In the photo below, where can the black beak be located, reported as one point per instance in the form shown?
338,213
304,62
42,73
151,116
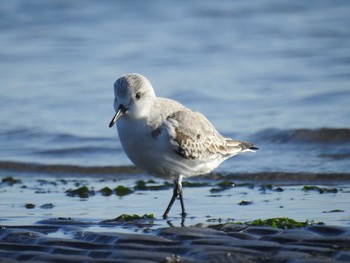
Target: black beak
120,112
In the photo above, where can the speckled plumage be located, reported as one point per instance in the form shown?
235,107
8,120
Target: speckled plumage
163,137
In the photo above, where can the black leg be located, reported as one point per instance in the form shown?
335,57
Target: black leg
173,198
177,192
183,212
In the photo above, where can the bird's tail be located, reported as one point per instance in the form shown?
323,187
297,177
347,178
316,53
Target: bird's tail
243,146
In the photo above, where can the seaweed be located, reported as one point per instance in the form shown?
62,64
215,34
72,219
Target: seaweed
10,181
142,222
334,211
307,188
106,191
245,202
150,181
82,192
140,185
279,222
30,206
133,217
122,190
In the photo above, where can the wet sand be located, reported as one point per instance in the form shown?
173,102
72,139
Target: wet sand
201,243
45,217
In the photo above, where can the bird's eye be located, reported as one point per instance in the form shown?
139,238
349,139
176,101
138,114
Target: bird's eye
138,95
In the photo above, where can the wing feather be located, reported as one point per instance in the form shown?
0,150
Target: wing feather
194,137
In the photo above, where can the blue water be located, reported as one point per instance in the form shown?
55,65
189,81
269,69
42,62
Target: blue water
253,68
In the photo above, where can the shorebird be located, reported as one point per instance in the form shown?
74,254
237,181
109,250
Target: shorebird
166,139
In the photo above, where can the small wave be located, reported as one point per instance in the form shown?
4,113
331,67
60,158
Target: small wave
327,97
88,171
20,133
32,134
66,169
77,151
323,135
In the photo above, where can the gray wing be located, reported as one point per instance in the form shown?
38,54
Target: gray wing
192,136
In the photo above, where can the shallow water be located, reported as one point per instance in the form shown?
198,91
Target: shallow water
254,68
204,204
273,73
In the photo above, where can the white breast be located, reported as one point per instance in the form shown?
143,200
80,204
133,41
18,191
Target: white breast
155,155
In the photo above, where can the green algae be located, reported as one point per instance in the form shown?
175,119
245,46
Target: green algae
151,181
321,190
133,217
279,222
106,191
82,192
122,190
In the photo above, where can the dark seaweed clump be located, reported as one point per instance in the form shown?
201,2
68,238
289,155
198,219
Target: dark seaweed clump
245,202
279,222
122,190
133,217
82,192
319,189
106,191
10,181
30,206
335,211
130,218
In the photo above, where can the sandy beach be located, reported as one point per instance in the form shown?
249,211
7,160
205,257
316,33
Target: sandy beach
273,73
75,218
200,243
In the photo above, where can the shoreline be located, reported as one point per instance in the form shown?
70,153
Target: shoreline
44,218
115,171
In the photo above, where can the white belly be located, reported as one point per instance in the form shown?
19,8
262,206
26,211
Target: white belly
155,154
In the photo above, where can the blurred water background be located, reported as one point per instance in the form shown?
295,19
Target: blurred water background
273,72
